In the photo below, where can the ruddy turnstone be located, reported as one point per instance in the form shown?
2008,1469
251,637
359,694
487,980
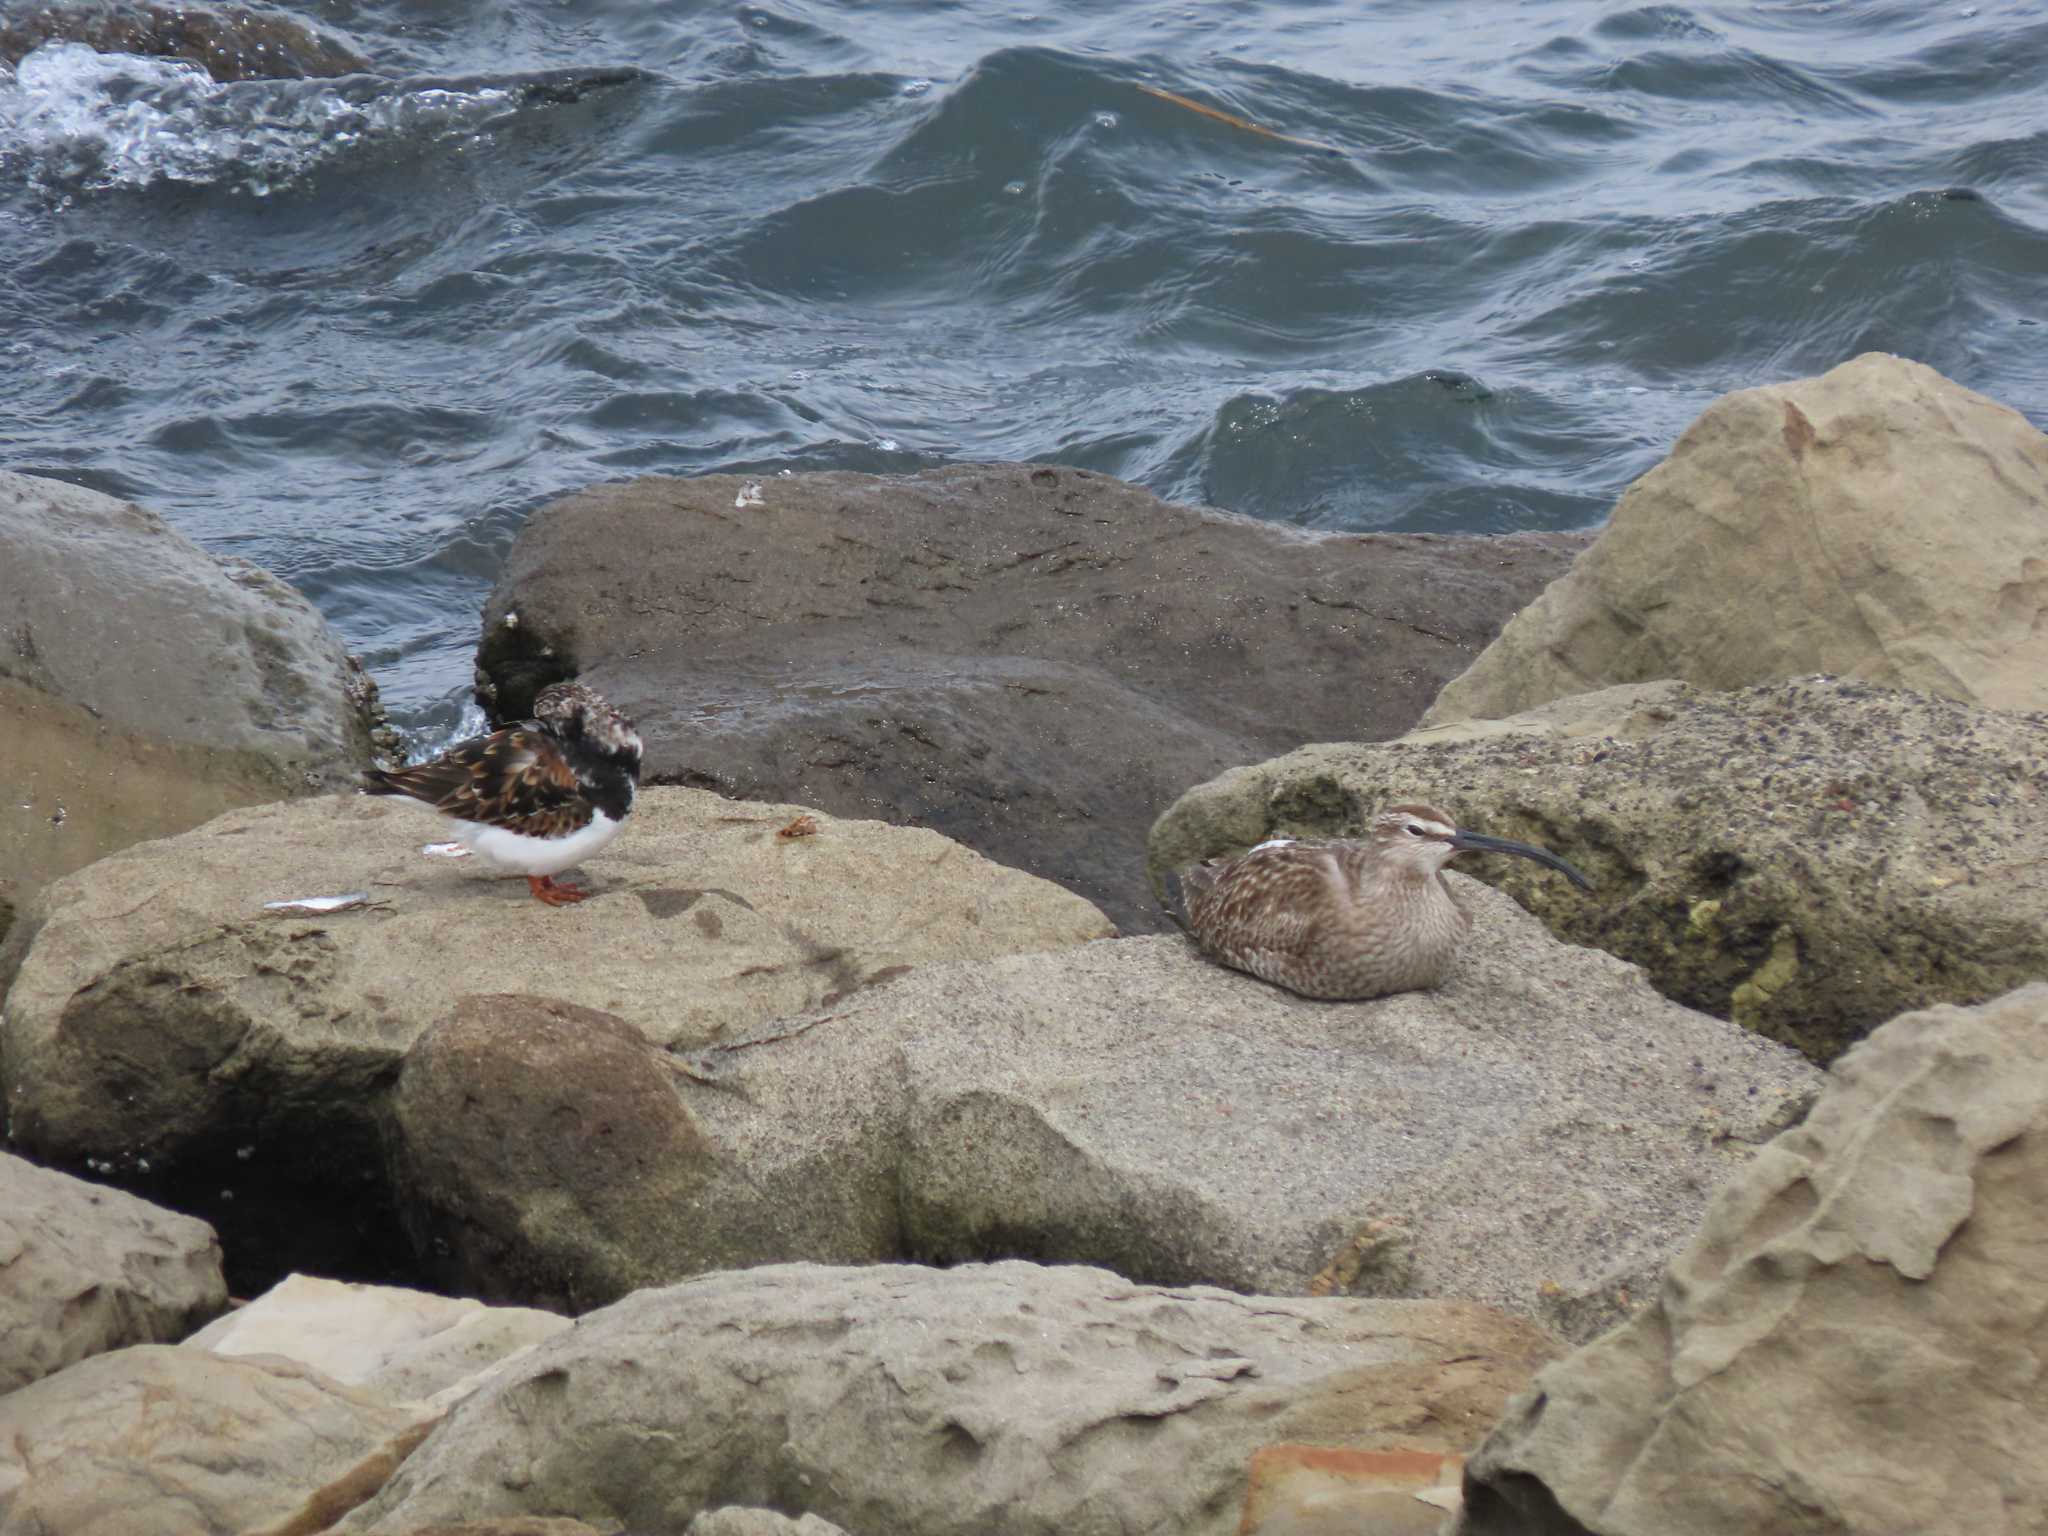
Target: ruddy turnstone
1351,919
534,799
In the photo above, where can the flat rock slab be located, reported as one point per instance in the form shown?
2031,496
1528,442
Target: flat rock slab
85,1268
979,1401
179,1442
1541,1133
146,686
160,1016
411,1346
1880,522
1852,1342
1031,659
1805,857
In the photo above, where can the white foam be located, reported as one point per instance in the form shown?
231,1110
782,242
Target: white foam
75,119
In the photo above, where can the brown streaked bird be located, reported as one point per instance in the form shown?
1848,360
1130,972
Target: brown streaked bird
1345,920
537,798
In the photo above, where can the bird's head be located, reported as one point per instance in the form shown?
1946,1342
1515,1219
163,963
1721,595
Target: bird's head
579,713
1423,838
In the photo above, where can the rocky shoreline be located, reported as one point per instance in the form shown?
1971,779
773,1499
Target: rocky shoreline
904,1177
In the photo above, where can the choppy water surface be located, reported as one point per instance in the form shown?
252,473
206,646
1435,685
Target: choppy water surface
1497,259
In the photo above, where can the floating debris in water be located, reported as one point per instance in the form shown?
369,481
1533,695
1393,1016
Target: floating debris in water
319,906
444,850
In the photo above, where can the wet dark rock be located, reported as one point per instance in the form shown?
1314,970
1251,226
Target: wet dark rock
229,42
1032,660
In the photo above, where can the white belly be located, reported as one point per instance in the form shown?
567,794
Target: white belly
523,855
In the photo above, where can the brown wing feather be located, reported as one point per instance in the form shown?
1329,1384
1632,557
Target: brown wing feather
517,779
1261,906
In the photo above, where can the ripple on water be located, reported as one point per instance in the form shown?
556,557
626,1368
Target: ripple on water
1348,267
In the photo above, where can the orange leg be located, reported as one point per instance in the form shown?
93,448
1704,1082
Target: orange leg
547,889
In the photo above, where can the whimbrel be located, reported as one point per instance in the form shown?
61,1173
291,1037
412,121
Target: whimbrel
1350,919
538,798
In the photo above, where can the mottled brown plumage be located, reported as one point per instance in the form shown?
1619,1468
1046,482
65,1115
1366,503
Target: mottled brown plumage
1352,919
534,798
517,779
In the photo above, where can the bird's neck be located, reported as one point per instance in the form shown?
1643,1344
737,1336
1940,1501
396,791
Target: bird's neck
1379,885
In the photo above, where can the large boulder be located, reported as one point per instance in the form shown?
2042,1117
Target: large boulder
236,1060
1851,1344
979,1401
230,42
180,1442
1878,522
1805,858
1033,660
146,686
1540,1134
84,1268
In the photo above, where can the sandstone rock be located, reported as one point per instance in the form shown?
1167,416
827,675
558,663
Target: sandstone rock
982,1401
1804,858
410,1346
84,1269
160,1016
229,42
1309,1490
145,686
1851,1344
542,1154
177,1442
1033,660
733,1521
1540,1134
1879,522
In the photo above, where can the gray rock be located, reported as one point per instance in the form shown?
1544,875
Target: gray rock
161,1017
230,42
84,1268
1805,858
145,686
179,1442
1033,660
1878,522
1540,1134
980,1401
1851,1344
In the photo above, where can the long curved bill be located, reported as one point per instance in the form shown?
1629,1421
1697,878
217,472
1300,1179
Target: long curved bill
1479,842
